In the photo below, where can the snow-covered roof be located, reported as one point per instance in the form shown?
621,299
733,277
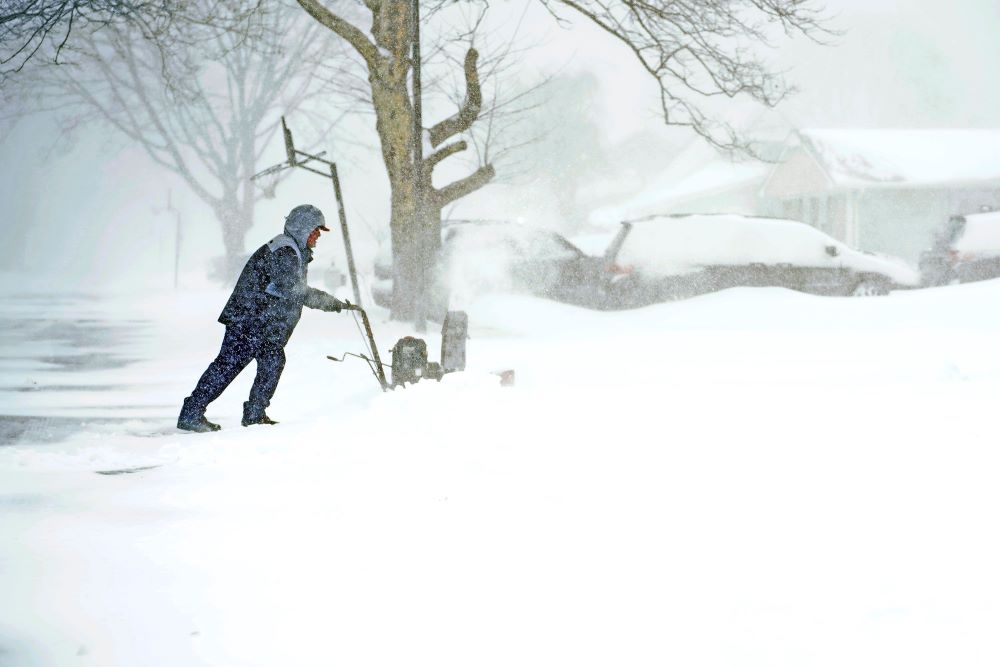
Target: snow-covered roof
892,158
700,177
673,190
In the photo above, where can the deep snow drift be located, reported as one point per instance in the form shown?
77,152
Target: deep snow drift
754,477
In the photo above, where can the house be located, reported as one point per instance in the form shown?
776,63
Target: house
699,179
883,190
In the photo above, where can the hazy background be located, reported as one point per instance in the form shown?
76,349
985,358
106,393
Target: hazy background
87,212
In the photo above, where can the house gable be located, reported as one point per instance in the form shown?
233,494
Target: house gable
799,174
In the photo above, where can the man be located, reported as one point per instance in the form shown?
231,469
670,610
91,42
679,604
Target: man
260,316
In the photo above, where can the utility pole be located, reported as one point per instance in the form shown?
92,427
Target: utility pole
177,238
418,144
419,221
177,235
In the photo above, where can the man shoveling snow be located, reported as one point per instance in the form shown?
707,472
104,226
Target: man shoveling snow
260,316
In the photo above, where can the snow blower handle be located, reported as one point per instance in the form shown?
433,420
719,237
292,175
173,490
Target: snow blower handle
372,346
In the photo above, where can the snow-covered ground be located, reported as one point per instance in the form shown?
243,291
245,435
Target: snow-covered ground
753,477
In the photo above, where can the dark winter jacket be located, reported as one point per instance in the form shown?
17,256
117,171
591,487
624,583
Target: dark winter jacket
272,289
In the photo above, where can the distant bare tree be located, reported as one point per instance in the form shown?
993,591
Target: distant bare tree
205,110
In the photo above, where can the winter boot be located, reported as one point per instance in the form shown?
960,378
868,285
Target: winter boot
253,415
192,418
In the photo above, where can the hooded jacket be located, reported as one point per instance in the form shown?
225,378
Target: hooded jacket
272,288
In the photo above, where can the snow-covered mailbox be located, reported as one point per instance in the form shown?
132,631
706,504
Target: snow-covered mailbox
884,190
666,257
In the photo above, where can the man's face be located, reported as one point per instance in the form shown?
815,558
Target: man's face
313,237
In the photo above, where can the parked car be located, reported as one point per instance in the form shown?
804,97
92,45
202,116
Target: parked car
667,257
483,256
965,249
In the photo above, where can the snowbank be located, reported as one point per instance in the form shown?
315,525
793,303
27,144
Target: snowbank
753,477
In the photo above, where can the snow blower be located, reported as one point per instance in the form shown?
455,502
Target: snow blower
409,355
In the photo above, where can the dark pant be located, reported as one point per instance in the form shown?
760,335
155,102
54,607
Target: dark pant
241,344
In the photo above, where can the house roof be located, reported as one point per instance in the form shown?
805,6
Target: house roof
668,193
896,158
697,171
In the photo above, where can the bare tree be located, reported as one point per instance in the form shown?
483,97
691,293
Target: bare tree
546,137
507,101
701,50
28,26
42,29
415,228
204,110
695,51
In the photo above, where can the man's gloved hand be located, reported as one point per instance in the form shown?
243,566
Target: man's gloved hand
333,305
330,303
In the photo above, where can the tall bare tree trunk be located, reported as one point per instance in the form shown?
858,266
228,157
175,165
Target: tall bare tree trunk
235,225
394,123
415,234
395,131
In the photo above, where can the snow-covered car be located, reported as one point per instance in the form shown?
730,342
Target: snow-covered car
966,249
667,257
485,256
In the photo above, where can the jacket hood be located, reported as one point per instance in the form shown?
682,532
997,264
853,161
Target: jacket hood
302,221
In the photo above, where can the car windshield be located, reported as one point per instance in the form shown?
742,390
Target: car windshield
977,233
552,246
954,228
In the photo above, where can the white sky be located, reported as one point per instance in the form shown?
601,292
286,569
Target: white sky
87,208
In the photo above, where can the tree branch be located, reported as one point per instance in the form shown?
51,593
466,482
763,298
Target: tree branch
431,160
467,115
449,193
696,51
354,37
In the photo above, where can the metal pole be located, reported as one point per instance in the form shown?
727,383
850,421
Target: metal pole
347,235
418,144
379,371
177,246
418,163
294,161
